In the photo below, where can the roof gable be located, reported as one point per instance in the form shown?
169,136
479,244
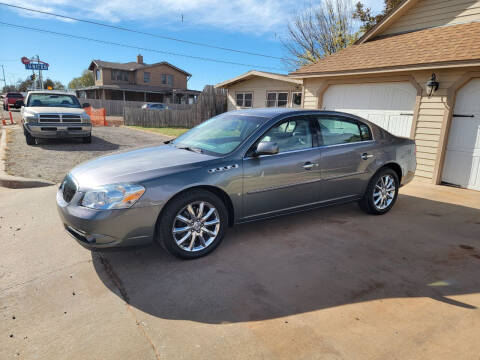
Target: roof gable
255,73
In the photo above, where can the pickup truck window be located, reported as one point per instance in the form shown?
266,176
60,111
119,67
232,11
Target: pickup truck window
53,100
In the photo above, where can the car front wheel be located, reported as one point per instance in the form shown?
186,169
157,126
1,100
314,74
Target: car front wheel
192,224
87,139
382,192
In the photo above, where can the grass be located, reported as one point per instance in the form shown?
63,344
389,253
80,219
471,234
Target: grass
167,131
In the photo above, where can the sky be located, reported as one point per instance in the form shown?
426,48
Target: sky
249,25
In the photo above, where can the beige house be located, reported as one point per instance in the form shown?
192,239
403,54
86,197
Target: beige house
383,78
259,89
138,81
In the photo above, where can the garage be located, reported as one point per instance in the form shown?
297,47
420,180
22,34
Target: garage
462,157
389,105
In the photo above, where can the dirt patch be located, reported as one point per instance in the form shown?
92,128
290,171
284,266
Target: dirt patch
52,159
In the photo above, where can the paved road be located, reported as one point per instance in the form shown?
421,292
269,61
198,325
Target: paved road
329,284
52,159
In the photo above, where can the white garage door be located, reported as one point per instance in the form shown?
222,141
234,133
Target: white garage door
389,105
462,158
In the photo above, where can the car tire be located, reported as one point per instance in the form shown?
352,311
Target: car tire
381,193
191,243
87,139
30,139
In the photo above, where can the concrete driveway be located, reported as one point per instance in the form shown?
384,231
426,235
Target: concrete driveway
329,284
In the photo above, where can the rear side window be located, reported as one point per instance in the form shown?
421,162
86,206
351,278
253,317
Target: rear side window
365,132
338,131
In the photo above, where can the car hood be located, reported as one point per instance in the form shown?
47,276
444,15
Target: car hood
136,165
53,110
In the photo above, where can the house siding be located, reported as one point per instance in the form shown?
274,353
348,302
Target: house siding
179,78
433,13
429,126
259,87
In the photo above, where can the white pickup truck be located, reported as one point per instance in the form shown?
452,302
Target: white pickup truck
54,114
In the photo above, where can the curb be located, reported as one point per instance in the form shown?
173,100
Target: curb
15,182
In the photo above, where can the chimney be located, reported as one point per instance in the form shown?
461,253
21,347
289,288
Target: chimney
139,59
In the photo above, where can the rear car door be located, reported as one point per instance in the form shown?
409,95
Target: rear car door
347,151
285,181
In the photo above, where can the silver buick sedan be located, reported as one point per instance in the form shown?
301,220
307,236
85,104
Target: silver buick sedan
237,167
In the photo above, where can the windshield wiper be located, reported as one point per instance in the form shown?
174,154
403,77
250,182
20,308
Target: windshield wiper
189,148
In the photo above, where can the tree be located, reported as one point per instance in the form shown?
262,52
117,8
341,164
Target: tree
24,85
9,88
320,31
365,14
82,81
55,85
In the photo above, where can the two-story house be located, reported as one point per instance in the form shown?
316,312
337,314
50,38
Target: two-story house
137,81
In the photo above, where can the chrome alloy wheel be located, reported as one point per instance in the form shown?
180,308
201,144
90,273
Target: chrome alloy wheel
196,226
384,192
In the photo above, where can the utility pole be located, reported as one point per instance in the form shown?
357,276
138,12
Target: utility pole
4,80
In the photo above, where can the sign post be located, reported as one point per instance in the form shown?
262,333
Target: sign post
35,64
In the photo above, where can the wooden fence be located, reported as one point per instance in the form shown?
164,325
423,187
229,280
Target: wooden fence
210,102
115,107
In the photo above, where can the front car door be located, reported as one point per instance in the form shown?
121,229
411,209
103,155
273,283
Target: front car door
285,181
347,151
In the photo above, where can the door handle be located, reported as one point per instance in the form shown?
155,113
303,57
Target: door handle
309,165
366,156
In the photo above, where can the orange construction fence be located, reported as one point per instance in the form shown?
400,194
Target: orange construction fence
97,116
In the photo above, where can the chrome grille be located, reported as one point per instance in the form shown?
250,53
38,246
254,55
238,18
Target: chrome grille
69,188
49,118
57,118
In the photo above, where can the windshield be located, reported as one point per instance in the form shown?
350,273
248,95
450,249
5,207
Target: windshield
221,134
53,100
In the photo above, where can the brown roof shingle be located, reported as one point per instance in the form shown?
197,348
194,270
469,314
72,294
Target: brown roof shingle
456,43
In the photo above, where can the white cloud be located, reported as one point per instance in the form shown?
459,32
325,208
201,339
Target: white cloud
250,16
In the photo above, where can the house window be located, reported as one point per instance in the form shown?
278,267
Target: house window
146,77
167,79
119,75
97,74
244,99
277,99
296,99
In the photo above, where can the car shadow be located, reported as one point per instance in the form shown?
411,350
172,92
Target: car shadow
76,144
306,262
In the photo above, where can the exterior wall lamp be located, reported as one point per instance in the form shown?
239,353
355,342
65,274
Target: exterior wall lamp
432,85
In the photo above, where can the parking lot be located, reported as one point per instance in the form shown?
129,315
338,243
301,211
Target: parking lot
52,159
328,284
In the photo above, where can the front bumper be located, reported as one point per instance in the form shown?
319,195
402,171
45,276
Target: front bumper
107,228
59,130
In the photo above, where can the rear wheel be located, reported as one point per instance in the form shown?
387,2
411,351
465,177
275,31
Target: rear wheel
382,192
192,224
29,139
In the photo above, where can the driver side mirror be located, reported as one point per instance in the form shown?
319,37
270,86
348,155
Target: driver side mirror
266,148
85,105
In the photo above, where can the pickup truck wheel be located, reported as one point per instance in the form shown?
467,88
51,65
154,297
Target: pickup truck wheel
87,139
30,139
382,192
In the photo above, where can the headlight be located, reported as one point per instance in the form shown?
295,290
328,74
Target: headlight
85,117
118,196
30,118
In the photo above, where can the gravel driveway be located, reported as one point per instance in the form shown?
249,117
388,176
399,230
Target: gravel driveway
52,159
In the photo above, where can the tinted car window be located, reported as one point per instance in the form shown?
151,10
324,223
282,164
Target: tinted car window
338,131
293,134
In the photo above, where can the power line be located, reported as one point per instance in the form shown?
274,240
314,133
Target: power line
135,47
143,32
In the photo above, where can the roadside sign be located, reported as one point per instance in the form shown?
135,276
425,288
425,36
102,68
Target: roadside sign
33,66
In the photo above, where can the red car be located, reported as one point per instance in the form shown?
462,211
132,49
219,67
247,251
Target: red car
10,99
